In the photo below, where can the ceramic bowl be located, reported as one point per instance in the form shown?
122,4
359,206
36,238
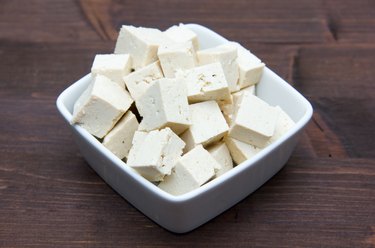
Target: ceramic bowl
185,212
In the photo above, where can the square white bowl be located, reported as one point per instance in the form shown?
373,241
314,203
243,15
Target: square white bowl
185,212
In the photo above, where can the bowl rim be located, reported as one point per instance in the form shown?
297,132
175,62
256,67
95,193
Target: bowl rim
299,124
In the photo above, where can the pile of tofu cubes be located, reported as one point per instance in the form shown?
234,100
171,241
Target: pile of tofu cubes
178,115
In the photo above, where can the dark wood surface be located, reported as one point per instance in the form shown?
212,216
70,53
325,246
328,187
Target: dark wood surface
325,195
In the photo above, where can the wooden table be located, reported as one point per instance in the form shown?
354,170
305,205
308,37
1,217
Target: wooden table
325,195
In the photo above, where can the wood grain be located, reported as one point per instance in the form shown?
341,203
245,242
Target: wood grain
44,21
324,196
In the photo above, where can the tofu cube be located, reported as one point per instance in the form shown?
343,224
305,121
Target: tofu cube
207,125
138,81
141,43
100,106
239,150
226,55
254,121
181,33
221,154
176,56
206,82
164,104
154,154
113,66
284,124
250,67
190,172
119,139
228,107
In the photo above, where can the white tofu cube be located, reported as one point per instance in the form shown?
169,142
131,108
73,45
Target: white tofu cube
284,124
225,54
154,154
228,107
181,33
250,67
141,43
119,139
254,121
100,106
239,150
113,66
221,154
207,125
164,104
190,172
205,82
176,56
138,81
